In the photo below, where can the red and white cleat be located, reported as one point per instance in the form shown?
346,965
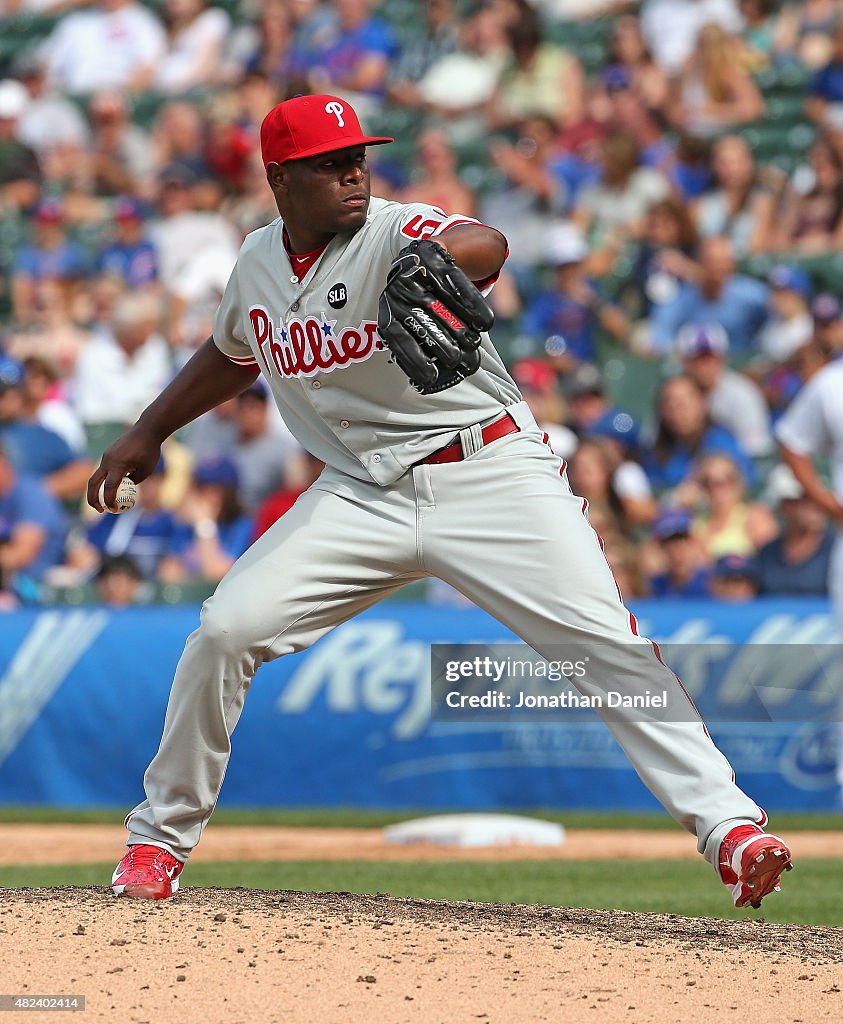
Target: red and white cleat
147,873
752,863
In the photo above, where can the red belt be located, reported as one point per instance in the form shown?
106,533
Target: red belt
454,453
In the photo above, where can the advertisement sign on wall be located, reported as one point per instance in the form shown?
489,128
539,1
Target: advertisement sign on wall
83,693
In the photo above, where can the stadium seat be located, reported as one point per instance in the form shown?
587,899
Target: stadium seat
785,108
192,592
145,106
411,592
826,269
588,40
631,381
13,234
404,16
781,78
99,436
768,139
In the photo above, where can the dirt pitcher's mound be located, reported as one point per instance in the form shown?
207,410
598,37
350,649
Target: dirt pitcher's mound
294,958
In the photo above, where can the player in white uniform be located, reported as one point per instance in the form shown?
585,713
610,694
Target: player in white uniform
812,427
459,484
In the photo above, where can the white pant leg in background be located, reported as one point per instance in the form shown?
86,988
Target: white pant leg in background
504,528
835,592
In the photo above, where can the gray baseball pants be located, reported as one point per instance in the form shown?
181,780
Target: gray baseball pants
502,527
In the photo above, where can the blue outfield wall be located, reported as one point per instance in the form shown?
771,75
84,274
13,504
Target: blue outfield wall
83,693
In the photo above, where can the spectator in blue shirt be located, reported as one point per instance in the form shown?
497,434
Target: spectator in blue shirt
32,527
131,257
713,294
36,450
685,434
685,573
668,248
353,56
827,312
692,175
564,319
631,113
588,402
575,169
733,579
826,88
797,561
421,51
50,256
217,530
311,22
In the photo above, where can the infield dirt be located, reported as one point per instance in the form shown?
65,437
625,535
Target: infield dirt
64,844
293,958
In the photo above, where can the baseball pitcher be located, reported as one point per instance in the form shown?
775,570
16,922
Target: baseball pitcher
367,320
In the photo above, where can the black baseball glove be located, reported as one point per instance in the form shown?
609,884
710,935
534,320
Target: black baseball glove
430,317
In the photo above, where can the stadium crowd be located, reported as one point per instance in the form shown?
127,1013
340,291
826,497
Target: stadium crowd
669,175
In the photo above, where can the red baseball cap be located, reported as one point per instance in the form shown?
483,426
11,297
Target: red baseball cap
49,211
128,209
535,375
310,125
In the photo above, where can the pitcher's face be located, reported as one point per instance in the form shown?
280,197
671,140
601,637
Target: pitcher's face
329,193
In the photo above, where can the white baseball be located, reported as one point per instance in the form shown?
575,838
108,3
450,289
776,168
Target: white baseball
127,494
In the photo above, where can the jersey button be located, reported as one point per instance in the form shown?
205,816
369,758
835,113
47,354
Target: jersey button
294,279
294,306
376,457
344,424
317,384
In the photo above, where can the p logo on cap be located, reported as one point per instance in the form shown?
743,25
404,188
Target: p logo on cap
309,125
336,108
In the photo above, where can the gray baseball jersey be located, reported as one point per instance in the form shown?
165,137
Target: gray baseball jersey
367,421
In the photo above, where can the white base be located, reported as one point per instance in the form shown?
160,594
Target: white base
477,830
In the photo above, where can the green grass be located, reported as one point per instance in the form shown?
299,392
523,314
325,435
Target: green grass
350,818
813,893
